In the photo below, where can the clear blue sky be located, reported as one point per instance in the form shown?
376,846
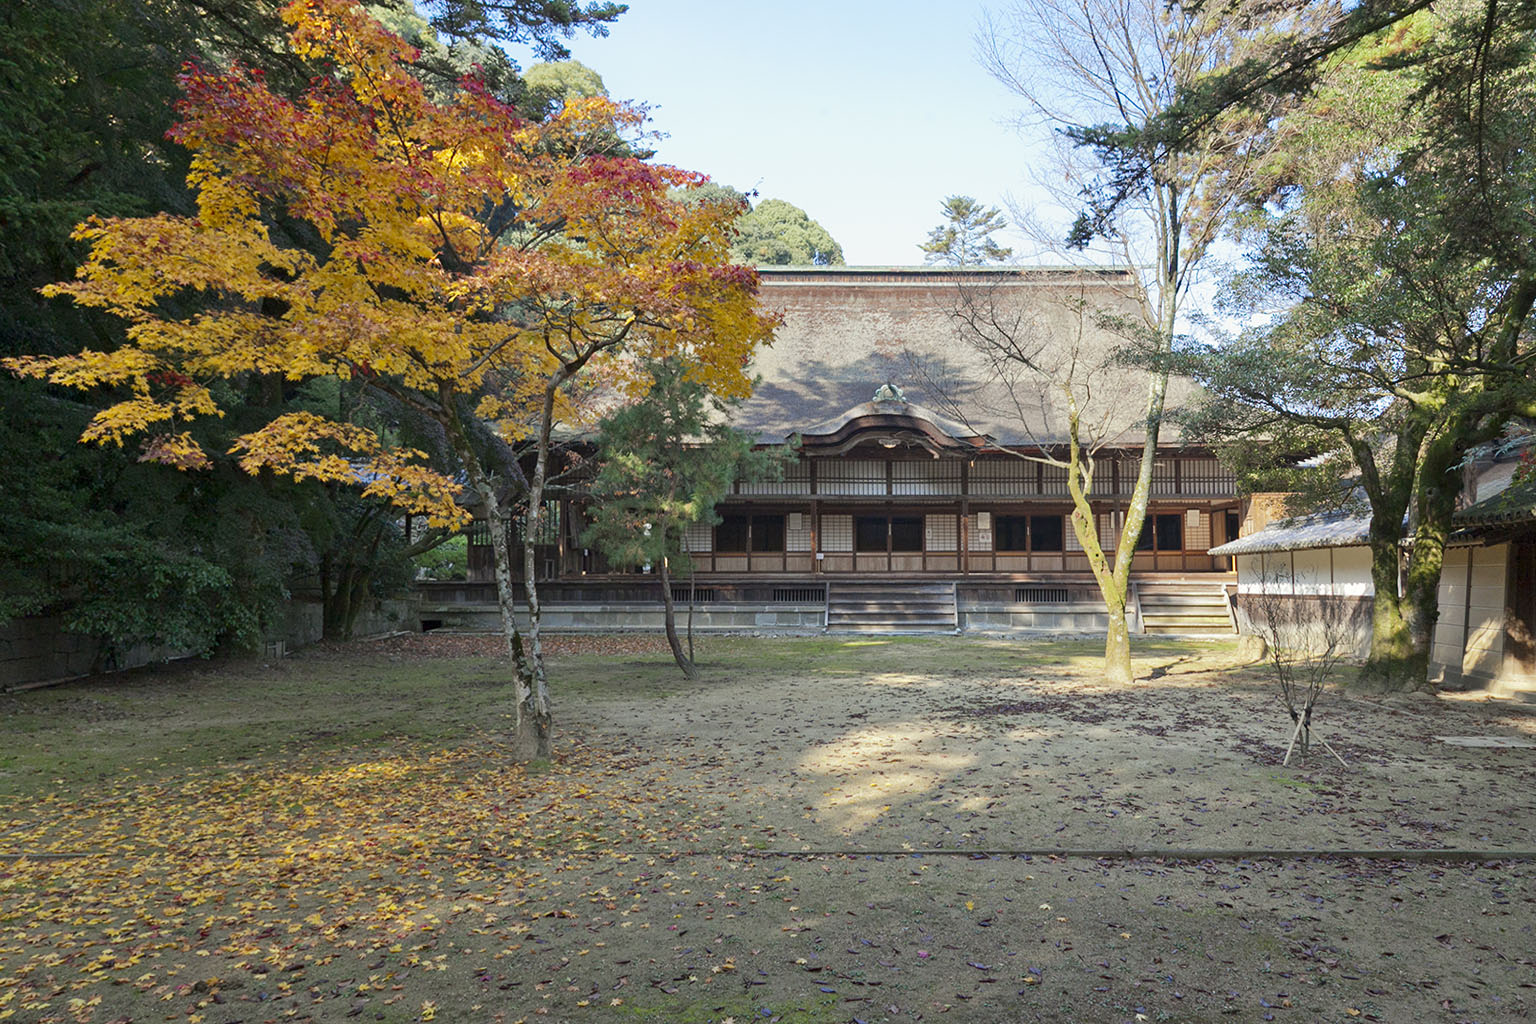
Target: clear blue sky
864,114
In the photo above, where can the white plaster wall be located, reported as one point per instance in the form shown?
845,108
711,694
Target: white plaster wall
1352,572
1327,573
1469,635
1445,647
1485,612
1343,572
1311,572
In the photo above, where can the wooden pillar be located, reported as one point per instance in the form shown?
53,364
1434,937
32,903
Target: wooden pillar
815,535
964,533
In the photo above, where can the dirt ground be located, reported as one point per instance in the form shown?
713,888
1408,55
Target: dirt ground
816,830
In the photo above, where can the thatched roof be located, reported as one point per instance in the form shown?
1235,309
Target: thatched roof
849,330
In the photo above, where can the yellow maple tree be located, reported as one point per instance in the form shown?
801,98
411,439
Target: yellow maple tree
489,272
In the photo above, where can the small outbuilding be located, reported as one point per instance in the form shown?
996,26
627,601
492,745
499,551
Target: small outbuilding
1298,572
1485,637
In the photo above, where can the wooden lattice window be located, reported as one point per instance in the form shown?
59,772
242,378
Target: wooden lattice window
1205,478
851,476
1004,477
943,532
931,476
796,480
837,533
1053,481
979,536
698,538
1197,530
797,532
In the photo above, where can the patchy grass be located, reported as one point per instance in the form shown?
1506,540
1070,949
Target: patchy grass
816,830
197,714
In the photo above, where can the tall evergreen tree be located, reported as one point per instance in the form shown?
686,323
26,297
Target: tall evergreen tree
1400,255
777,233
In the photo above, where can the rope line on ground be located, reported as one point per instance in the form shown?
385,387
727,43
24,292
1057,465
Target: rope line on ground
1165,853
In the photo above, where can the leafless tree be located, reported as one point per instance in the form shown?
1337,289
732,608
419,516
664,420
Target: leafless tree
1307,638
1049,365
1092,74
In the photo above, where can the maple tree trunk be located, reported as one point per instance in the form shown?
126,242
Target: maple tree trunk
526,739
525,731
536,706
669,615
506,598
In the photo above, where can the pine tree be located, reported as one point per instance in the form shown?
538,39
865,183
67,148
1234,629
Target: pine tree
965,240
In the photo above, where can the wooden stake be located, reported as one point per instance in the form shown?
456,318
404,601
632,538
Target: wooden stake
1290,745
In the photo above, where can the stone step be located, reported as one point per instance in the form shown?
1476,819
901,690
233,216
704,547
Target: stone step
891,607
1179,588
1182,614
887,629
1184,600
1197,609
883,606
874,611
894,621
1188,621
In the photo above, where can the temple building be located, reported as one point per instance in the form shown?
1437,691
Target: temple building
919,499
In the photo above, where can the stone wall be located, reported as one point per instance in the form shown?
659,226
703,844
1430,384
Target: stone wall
635,616
39,649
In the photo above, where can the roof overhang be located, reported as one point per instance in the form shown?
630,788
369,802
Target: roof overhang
891,424
1515,505
1301,535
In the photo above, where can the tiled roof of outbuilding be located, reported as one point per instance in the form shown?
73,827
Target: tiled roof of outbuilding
1514,504
1301,534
